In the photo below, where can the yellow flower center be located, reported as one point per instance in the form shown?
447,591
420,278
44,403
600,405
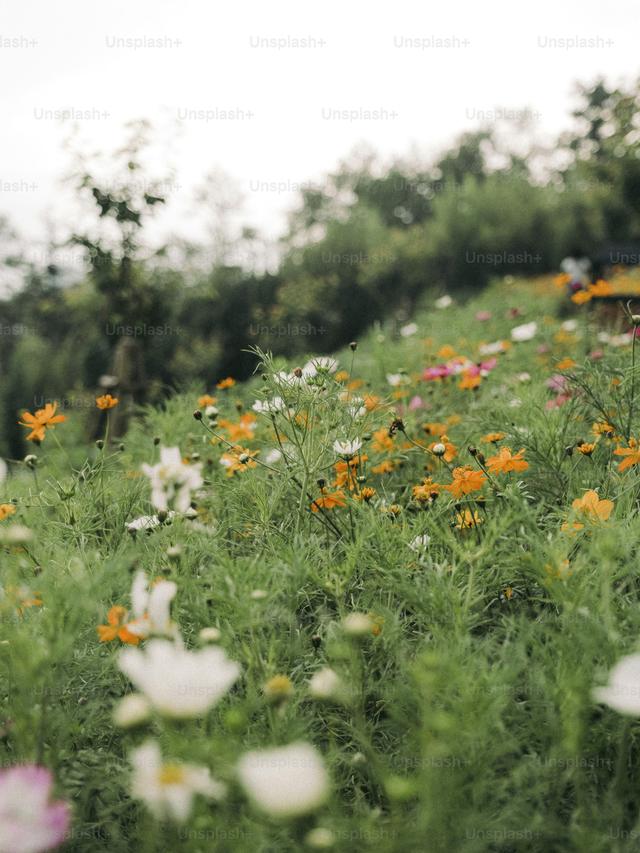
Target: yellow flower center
171,774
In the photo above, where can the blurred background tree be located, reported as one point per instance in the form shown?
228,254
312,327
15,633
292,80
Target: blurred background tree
368,243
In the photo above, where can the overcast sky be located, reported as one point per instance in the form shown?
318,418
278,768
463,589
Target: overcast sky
276,93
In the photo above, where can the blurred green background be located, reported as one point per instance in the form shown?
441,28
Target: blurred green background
367,245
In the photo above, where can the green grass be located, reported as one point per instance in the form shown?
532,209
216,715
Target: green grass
470,724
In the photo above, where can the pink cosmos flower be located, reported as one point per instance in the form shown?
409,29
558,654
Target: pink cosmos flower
438,371
30,822
557,382
416,403
558,401
488,365
483,316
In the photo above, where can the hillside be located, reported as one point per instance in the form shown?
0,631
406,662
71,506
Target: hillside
412,564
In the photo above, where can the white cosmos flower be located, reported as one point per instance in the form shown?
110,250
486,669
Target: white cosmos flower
277,404
320,364
273,456
287,781
147,522
622,693
347,448
492,348
444,301
569,325
357,410
326,684
172,481
168,789
15,534
525,332
396,379
151,607
409,330
283,378
420,543
177,682
144,522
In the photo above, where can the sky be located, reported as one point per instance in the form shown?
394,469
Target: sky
275,94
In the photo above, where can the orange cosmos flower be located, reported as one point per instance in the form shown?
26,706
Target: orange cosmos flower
117,627
6,510
237,460
469,381
601,288
226,383
366,494
592,507
384,467
446,351
586,449
632,454
371,402
562,279
505,461
22,597
329,500
244,429
465,481
434,428
426,491
467,519
346,471
559,571
106,402
493,437
206,400
42,420
581,297
381,440
566,364
602,428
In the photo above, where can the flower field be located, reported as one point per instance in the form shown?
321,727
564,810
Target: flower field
385,600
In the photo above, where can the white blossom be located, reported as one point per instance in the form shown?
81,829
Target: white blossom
287,781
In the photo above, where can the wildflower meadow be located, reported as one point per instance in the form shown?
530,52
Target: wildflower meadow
381,600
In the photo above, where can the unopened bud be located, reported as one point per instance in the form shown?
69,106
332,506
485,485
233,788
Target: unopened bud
439,449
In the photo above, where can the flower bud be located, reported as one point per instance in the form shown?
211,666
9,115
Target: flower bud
326,684
439,449
174,553
357,624
210,635
278,689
